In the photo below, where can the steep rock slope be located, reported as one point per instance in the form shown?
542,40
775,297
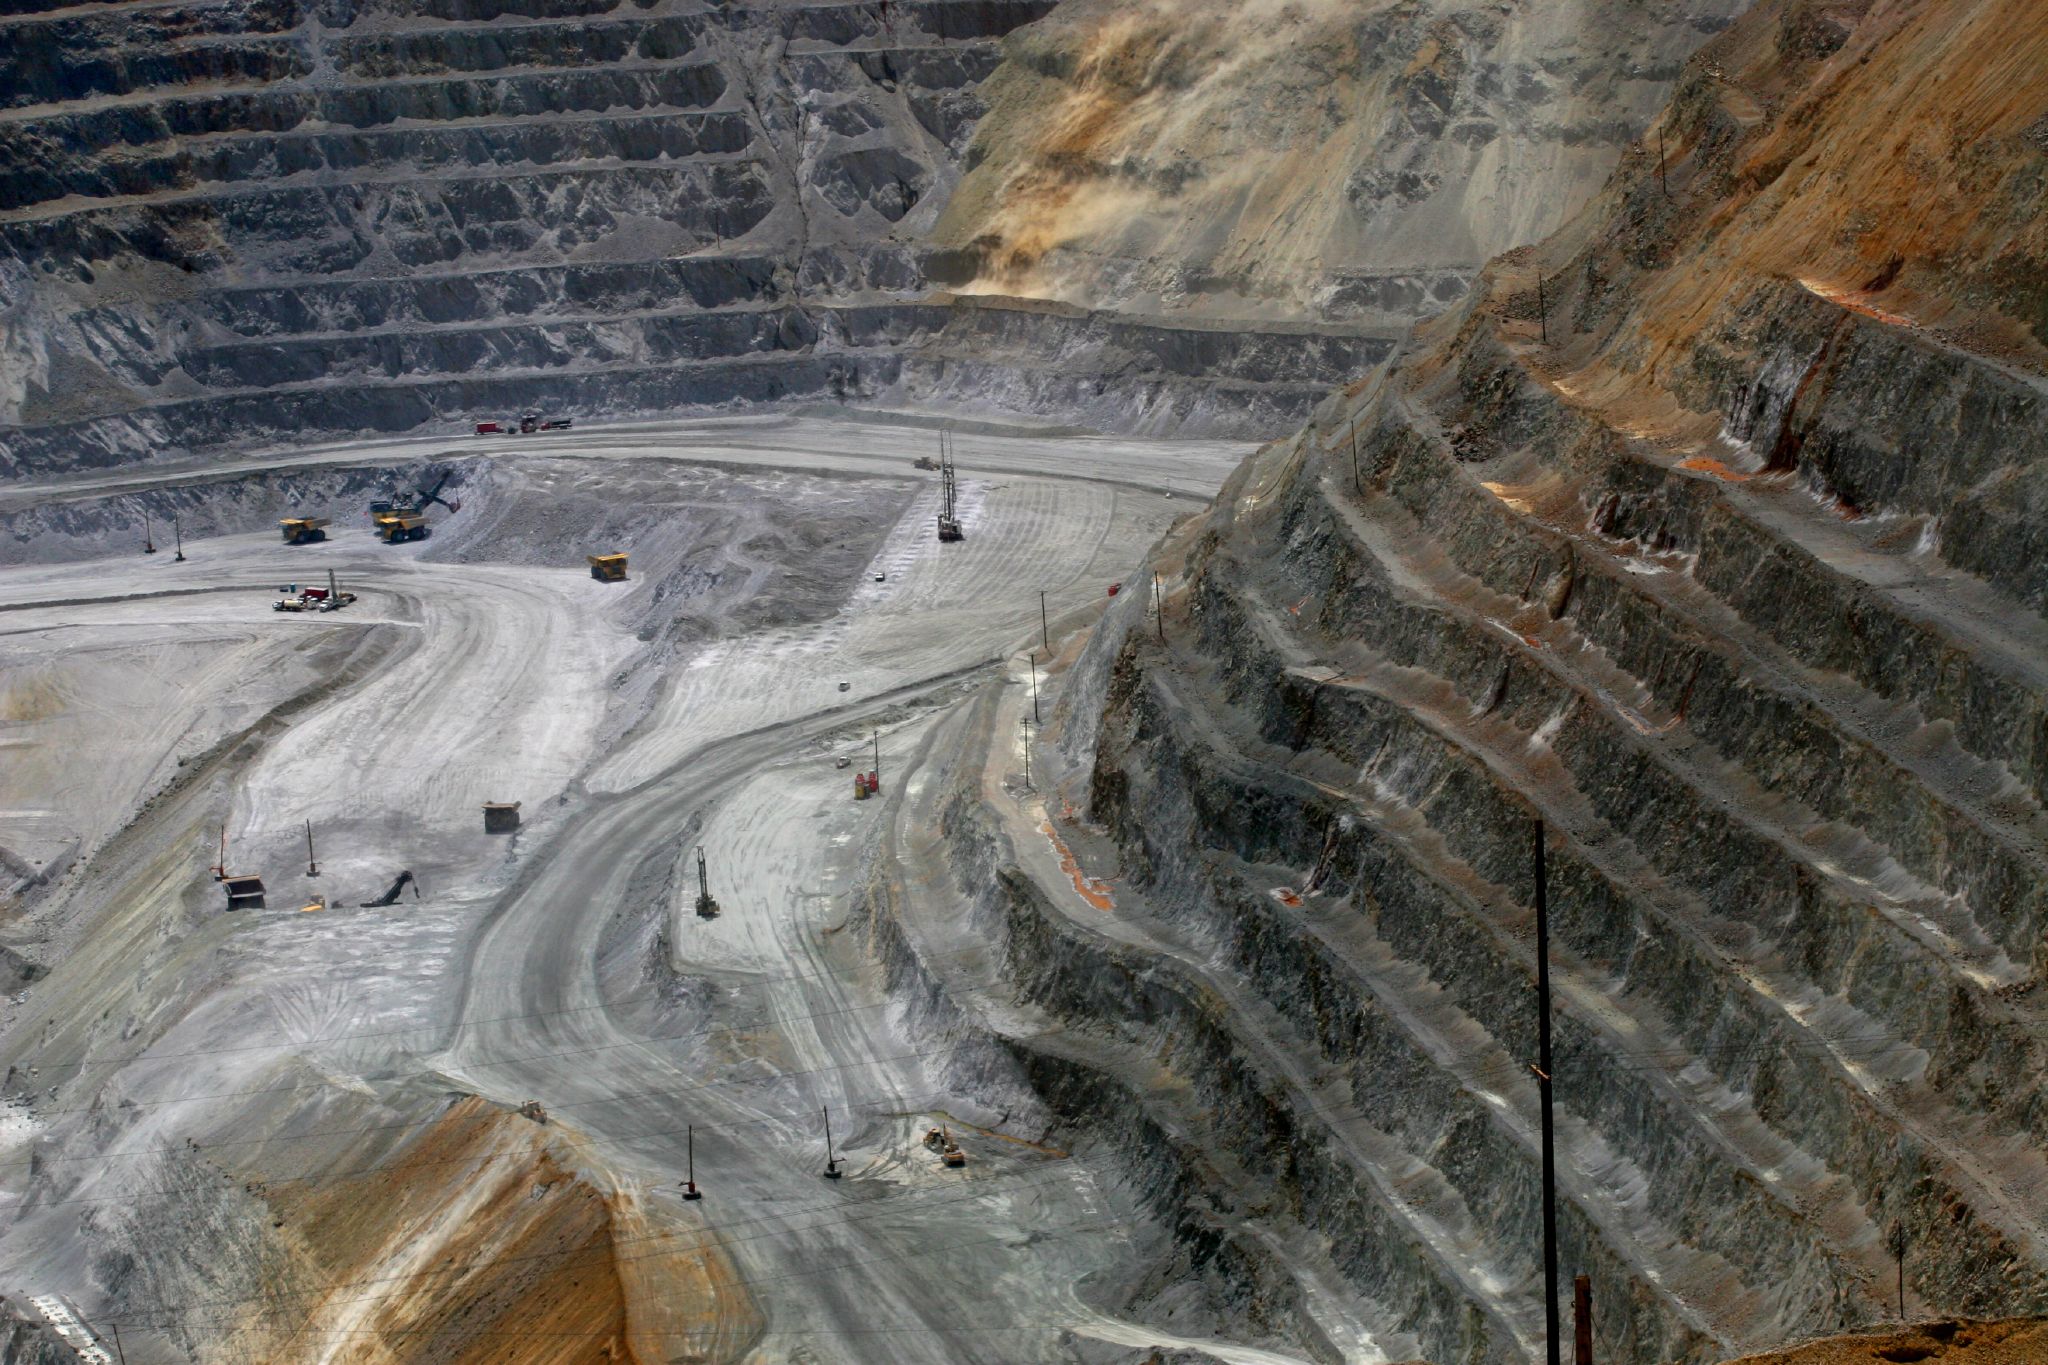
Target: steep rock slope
1307,161
1726,566
233,221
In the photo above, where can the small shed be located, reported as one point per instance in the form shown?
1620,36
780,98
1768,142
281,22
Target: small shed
244,893
501,817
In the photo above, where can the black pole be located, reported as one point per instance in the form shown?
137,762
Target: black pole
120,1354
1357,483
1034,691
312,868
878,753
1662,178
148,544
1582,1321
1159,607
1027,755
1898,1250
831,1162
690,1190
1044,630
1550,1314
178,529
1542,309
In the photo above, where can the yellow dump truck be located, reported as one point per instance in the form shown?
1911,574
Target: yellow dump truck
303,530
608,568
399,525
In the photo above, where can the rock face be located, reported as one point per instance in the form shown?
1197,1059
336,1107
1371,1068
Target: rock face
244,221
1305,161
1727,568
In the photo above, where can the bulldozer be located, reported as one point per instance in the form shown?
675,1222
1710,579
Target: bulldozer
303,530
608,568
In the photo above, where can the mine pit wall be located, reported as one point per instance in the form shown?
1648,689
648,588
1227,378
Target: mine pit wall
400,217
1180,379
1205,1273
1220,776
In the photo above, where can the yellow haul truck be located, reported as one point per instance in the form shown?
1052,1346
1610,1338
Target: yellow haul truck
303,530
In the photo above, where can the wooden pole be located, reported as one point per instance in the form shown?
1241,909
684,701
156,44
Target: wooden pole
1550,1314
119,1354
1663,180
831,1162
178,529
312,868
1044,630
1159,607
1034,691
1542,309
1582,1321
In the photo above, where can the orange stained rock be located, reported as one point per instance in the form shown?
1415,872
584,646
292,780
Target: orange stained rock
1093,890
1707,465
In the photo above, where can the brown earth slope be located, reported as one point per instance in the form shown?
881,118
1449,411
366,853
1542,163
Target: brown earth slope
481,1241
2020,1342
1299,160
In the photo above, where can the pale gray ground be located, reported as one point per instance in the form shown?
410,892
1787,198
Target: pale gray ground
562,965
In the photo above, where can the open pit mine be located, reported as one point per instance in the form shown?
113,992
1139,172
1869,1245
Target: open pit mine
1103,681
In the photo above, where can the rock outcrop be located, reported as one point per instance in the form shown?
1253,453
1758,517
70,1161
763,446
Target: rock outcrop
1724,565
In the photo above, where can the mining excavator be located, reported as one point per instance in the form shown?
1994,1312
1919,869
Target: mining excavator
941,1141
390,897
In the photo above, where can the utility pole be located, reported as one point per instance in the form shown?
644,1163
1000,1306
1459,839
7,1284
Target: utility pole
1542,309
178,529
148,544
690,1190
1027,755
1159,607
832,1171
119,1354
1357,483
1662,179
312,868
877,769
1582,1320
1898,1250
1034,691
1044,630
1543,1091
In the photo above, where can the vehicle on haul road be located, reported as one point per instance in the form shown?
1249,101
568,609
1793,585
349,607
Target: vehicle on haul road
608,568
402,519
303,530
394,526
